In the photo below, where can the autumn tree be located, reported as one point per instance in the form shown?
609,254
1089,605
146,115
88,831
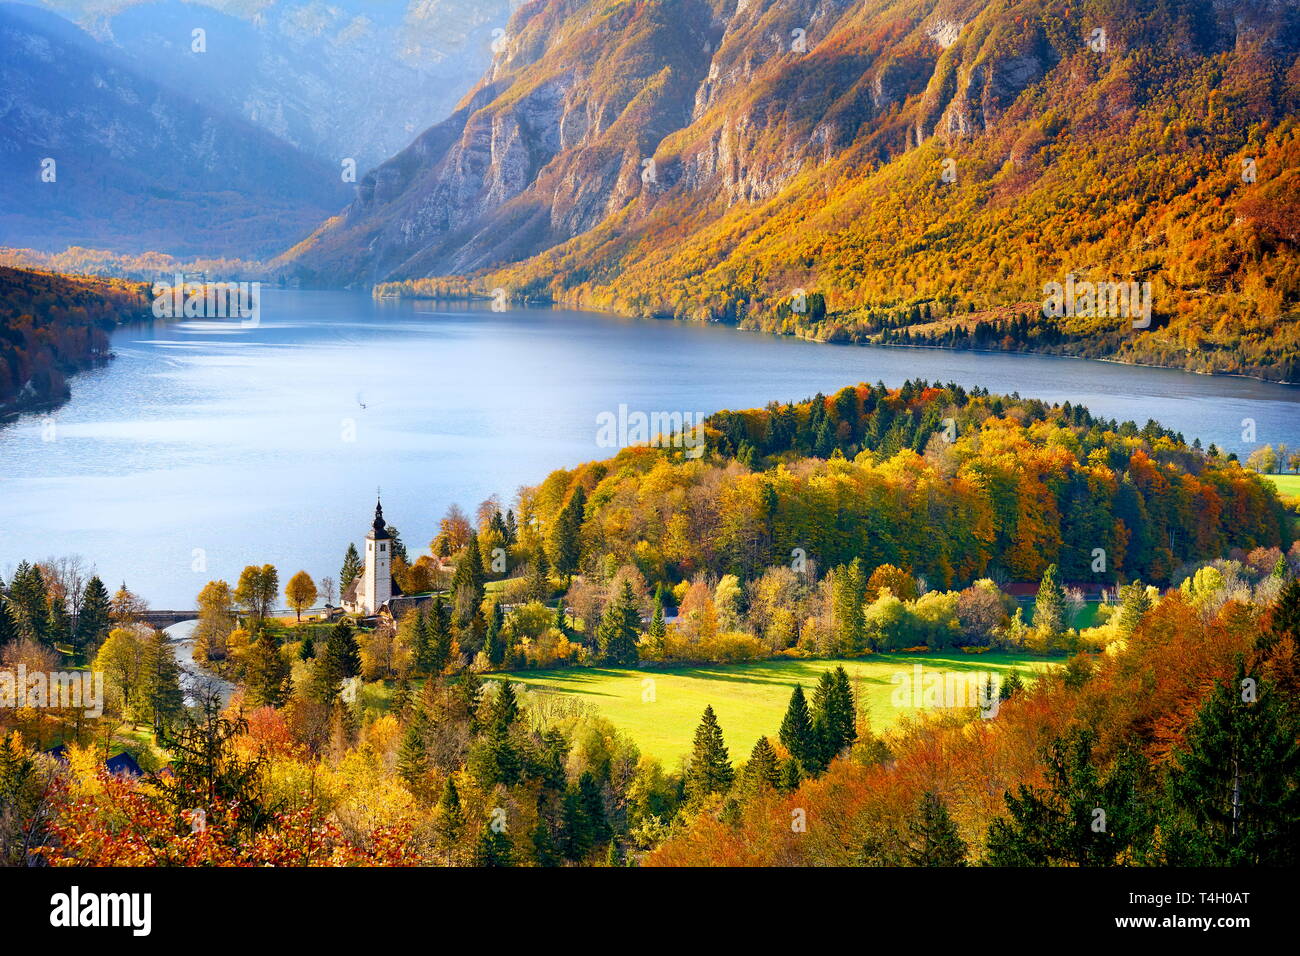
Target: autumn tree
216,621
300,592
256,591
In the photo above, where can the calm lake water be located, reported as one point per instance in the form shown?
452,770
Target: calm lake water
267,444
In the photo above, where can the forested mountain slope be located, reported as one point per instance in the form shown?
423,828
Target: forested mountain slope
926,165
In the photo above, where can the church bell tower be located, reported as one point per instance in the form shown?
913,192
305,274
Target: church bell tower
377,582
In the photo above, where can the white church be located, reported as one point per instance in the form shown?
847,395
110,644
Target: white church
374,588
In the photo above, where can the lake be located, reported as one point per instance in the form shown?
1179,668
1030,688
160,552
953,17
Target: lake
205,446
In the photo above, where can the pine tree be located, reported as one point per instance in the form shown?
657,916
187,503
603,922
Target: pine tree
161,683
849,589
1049,606
93,622
797,731
544,849
469,694
307,649
467,581
492,848
620,625
658,632
539,577
267,674
8,626
413,756
494,642
438,623
933,837
576,828
340,660
566,540
351,567
834,713
591,798
791,775
763,772
1286,615
58,623
1010,685
1234,789
29,602
342,729
709,770
1134,602
1079,818
451,819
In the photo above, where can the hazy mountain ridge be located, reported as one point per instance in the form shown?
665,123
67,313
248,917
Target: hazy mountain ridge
357,79
137,166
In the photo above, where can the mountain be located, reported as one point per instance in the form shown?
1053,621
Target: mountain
351,79
94,154
905,171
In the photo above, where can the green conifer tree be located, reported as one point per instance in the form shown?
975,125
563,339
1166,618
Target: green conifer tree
933,839
1049,606
709,770
267,674
93,622
619,629
1234,789
351,567
797,731
161,683
763,771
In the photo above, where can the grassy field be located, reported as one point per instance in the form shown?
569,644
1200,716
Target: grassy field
749,699
1288,485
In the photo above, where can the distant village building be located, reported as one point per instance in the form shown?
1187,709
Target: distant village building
375,586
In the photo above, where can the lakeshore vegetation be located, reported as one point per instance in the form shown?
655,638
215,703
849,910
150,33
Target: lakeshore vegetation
664,660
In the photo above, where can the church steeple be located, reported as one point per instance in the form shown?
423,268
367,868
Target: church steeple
377,576
379,530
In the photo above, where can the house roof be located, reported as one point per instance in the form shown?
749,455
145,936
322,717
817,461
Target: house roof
123,763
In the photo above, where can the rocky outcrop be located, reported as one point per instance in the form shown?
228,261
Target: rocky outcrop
610,117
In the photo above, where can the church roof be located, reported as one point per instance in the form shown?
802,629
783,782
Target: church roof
350,592
379,530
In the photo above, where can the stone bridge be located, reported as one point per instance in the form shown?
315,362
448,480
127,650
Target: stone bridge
164,619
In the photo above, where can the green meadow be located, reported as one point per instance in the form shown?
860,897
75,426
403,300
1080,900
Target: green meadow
660,708
1288,485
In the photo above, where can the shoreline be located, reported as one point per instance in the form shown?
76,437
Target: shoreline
593,310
